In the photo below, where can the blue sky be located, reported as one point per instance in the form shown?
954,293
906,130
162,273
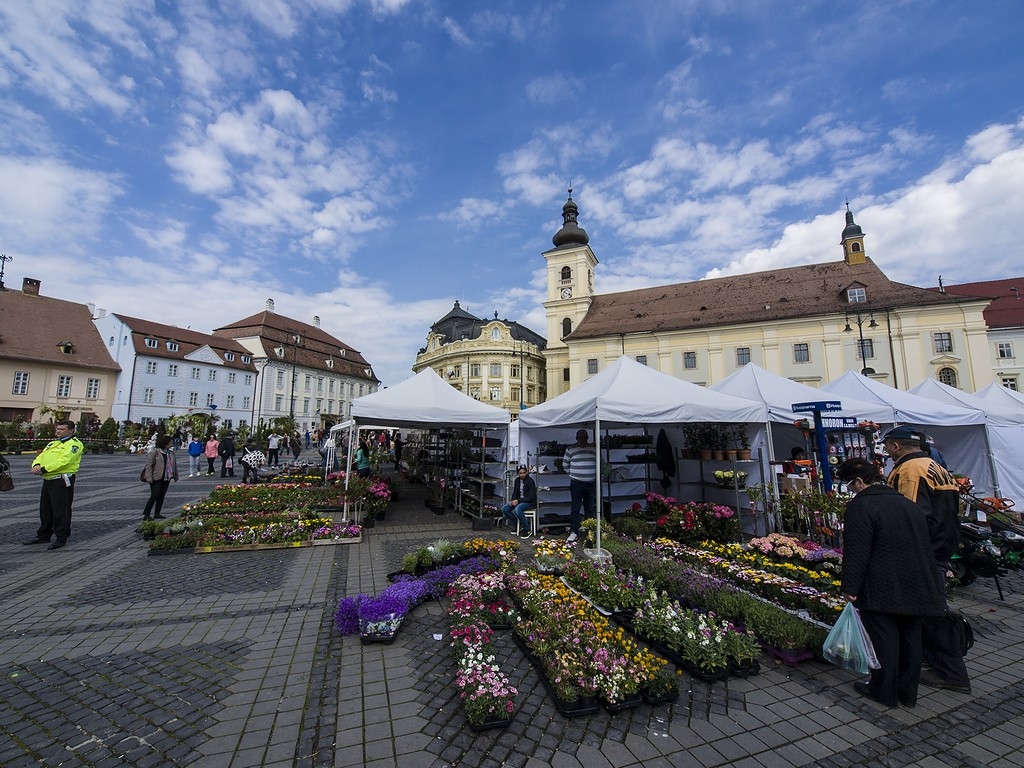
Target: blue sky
371,161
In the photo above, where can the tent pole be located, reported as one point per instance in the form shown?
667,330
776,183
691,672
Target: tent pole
992,464
598,502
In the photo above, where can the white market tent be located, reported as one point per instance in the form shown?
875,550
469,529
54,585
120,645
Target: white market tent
778,394
999,394
625,394
959,432
424,401
1004,421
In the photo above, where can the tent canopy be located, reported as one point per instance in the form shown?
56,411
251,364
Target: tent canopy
627,393
779,393
999,414
999,394
426,401
908,408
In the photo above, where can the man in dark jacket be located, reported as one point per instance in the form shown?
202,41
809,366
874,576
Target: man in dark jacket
933,489
888,574
524,496
227,456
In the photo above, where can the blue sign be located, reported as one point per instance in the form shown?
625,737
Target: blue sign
824,406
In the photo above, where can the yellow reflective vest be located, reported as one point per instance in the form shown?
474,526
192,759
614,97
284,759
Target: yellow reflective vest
60,457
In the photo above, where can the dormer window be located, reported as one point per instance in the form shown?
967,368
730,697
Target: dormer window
67,347
341,352
172,346
856,295
229,356
279,351
246,359
330,363
152,343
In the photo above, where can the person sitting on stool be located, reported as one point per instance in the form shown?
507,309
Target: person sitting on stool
524,497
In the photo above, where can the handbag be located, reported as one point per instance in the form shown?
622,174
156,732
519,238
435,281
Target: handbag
229,463
6,481
142,476
848,644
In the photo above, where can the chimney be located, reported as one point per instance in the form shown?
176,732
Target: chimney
316,321
30,286
270,305
101,313
92,309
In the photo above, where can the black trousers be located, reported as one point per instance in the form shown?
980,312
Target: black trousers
897,641
225,470
55,508
273,456
157,491
942,643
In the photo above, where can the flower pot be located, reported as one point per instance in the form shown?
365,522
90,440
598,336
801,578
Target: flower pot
655,699
707,675
368,522
745,668
788,656
630,701
718,455
706,454
743,454
730,454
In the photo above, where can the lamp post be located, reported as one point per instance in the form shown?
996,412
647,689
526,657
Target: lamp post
859,320
295,355
4,258
522,376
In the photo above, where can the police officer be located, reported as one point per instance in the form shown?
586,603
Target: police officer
57,464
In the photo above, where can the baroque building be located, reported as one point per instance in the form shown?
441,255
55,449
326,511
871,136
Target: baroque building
304,372
497,361
810,323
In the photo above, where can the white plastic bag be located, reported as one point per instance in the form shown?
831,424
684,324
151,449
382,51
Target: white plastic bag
848,644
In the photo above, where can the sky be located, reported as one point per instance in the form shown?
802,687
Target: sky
371,162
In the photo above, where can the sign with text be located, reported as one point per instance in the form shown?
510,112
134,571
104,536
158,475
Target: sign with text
825,406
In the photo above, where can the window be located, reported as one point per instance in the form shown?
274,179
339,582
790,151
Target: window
193,398
229,356
1010,382
151,343
592,365
494,370
474,370
92,389
565,274
566,327
278,402
943,342
514,371
865,349
230,401
319,405
280,379
320,385
209,399
1004,350
110,341
857,295
231,377
246,359
172,346
147,395
495,393
565,375
742,356
309,384
305,405
63,386
330,406
330,386
212,375
169,397
196,373
801,353
689,360
529,373
172,370
151,367
20,383
246,403
642,359
515,395
495,334
948,376
360,390
474,392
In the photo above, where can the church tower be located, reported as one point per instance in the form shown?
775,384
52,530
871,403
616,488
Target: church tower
853,241
570,290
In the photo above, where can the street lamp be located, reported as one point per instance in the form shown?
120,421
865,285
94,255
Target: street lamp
4,258
296,339
522,377
859,320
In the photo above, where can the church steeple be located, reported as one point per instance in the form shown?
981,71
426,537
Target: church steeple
571,233
853,240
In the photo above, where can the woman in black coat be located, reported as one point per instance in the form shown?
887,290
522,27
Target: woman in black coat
888,573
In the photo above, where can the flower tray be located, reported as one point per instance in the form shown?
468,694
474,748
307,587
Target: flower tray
664,698
251,547
745,670
584,706
708,676
328,542
387,639
788,656
176,551
490,723
632,701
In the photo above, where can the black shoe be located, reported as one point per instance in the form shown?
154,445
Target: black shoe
865,690
57,544
36,541
146,517
158,516
932,680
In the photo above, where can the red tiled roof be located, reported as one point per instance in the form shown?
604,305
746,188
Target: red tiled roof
188,341
778,294
1007,307
34,327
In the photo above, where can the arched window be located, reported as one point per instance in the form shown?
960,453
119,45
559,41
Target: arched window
855,247
947,376
566,327
566,273
495,334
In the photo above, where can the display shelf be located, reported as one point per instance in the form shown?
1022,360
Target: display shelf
481,476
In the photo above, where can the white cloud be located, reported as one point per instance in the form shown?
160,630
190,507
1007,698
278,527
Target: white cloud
473,213
554,89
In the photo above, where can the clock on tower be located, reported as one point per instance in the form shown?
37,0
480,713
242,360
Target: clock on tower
567,293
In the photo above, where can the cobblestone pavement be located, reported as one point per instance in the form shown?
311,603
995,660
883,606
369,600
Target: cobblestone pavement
110,657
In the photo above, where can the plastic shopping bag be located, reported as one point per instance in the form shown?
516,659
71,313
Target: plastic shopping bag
848,644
